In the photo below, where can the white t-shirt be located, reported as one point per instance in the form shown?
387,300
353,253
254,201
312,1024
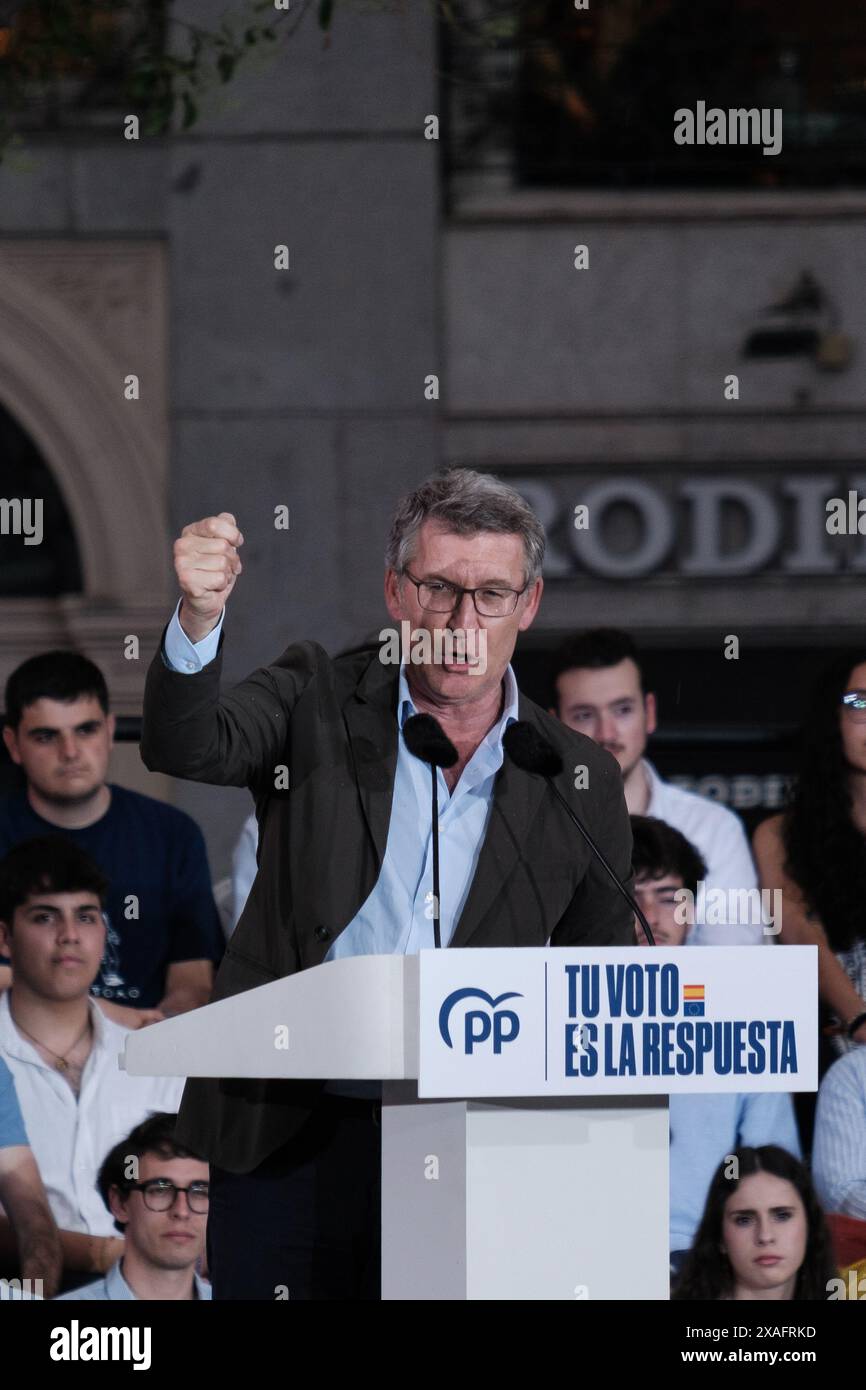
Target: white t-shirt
718,834
70,1137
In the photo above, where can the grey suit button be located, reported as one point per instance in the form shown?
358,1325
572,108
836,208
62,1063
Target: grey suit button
322,934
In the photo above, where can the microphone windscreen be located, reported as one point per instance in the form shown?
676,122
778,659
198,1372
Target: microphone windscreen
530,750
427,740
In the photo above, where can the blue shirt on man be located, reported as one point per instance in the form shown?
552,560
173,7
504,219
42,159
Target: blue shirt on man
114,1288
12,1131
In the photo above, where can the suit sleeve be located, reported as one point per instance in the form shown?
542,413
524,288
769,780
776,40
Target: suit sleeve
237,738
598,915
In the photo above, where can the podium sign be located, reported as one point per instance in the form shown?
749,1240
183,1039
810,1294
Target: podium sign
613,1020
534,1165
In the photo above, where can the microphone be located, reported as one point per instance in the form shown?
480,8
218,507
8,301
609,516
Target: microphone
426,739
532,752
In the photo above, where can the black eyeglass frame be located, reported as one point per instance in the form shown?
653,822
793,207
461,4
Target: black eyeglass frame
459,591
149,1187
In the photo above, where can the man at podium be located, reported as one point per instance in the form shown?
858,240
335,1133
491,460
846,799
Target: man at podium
346,844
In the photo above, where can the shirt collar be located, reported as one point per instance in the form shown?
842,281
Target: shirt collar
406,705
655,787
117,1288
18,1046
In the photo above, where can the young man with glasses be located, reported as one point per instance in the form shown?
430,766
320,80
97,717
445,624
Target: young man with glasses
162,1215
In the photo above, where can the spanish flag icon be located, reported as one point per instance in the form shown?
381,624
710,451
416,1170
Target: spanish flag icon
693,1001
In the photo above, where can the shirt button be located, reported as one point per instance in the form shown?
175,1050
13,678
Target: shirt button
322,934
190,665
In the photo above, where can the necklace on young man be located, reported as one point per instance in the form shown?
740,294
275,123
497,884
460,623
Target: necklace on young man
61,1062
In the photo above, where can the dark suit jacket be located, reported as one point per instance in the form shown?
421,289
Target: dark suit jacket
333,724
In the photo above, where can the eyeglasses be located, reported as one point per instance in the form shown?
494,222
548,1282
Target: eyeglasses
437,596
160,1195
854,704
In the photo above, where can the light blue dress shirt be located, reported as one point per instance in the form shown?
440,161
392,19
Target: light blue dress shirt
114,1288
397,917
185,656
12,1131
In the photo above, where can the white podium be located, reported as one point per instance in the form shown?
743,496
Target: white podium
525,1096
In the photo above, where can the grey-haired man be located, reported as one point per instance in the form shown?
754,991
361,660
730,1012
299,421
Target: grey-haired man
295,1165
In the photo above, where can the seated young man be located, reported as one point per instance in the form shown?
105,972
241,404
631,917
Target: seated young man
31,1250
164,932
704,1128
161,1213
61,1049
599,690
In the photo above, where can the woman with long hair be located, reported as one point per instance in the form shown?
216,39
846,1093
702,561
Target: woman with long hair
762,1234
815,851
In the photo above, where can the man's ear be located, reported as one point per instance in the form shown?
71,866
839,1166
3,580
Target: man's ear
393,601
651,713
5,936
117,1203
531,607
10,738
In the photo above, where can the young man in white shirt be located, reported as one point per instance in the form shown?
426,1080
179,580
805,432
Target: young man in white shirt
158,1194
61,1049
598,690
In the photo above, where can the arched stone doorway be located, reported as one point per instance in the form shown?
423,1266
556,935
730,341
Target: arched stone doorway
77,319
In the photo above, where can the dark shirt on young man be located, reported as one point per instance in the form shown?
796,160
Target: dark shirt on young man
150,852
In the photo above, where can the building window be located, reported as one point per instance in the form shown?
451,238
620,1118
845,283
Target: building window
541,94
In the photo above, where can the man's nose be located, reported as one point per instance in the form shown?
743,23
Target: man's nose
606,726
650,910
69,928
68,745
464,614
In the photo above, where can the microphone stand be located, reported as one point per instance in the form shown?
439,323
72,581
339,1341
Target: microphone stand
437,939
601,859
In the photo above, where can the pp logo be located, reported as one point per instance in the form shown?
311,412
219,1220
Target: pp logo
502,1025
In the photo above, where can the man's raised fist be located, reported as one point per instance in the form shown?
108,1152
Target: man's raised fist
207,565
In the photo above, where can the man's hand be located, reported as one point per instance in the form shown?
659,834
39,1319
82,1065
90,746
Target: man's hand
207,565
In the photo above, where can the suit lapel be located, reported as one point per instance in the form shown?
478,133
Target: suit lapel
516,799
371,720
